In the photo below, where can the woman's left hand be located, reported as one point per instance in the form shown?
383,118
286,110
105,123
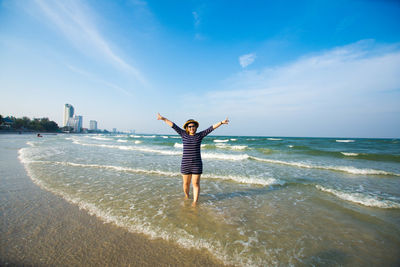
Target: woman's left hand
226,121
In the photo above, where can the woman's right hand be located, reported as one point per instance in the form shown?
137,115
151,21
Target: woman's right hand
159,117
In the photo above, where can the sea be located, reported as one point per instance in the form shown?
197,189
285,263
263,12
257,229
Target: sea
264,201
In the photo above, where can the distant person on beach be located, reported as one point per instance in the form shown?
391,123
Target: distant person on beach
191,166
39,135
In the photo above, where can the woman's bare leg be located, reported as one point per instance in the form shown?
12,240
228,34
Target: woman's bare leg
186,184
196,187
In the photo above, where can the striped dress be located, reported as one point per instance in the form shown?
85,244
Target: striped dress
191,159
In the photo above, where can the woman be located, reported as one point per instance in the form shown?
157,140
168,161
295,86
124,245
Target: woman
191,166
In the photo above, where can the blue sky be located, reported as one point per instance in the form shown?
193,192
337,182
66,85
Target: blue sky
275,68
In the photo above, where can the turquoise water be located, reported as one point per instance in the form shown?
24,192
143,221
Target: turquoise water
264,200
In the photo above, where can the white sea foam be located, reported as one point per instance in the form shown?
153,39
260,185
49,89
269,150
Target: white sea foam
178,145
32,144
115,168
246,180
291,146
239,179
349,154
100,138
22,155
227,146
274,139
221,140
135,136
133,148
345,141
164,136
138,142
348,169
233,139
223,156
122,141
361,198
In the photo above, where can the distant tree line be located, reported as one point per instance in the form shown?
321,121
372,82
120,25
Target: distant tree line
26,124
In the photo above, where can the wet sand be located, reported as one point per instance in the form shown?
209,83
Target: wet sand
38,228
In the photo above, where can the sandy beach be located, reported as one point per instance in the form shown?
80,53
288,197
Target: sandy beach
38,228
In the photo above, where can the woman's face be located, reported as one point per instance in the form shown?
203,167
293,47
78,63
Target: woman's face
192,128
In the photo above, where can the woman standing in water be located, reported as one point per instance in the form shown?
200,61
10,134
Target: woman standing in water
191,166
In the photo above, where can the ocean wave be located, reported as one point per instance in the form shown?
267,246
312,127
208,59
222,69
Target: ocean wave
101,138
233,139
238,157
246,180
222,156
178,145
349,154
326,153
238,179
148,136
22,155
347,169
32,144
232,147
122,141
115,168
274,139
362,198
344,141
168,152
133,148
221,140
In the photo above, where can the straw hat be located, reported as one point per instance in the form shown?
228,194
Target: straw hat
190,121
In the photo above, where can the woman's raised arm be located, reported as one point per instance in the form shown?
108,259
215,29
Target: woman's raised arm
167,121
226,121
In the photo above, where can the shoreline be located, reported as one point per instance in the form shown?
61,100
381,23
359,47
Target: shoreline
40,228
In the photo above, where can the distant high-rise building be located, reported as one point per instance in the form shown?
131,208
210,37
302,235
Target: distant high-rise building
77,123
93,125
68,115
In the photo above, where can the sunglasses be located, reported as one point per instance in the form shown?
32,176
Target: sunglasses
192,126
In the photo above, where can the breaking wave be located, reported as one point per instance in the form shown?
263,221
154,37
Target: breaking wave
362,198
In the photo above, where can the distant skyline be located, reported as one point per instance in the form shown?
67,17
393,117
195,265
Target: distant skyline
275,68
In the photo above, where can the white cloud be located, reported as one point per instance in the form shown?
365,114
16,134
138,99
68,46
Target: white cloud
347,91
247,59
76,22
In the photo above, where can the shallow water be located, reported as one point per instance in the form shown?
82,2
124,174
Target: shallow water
264,200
